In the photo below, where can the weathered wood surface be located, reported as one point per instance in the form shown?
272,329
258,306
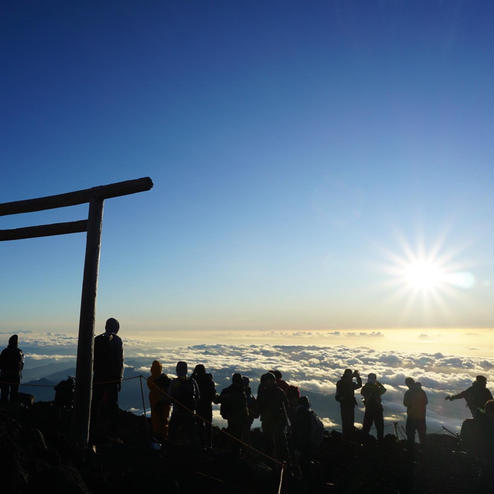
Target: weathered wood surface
44,230
77,197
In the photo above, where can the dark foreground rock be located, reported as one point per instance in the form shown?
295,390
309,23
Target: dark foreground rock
37,456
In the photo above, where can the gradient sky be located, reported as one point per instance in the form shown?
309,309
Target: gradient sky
299,151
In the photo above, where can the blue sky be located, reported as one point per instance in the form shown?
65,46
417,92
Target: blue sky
296,150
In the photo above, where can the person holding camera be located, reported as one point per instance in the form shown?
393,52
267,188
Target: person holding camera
345,395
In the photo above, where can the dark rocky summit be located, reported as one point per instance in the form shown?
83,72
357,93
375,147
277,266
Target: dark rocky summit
37,456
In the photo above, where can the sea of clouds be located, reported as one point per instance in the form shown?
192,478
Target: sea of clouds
315,369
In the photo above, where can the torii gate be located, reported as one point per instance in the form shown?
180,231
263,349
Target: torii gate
85,345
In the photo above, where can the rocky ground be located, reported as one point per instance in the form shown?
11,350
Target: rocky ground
37,455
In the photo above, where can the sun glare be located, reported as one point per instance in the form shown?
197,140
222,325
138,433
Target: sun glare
434,277
423,275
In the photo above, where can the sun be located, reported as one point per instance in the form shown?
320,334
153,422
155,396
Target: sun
432,275
423,275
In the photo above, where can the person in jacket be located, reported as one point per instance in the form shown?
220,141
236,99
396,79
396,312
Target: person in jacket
158,384
415,401
184,394
476,395
235,410
207,396
372,392
11,365
108,372
273,405
345,395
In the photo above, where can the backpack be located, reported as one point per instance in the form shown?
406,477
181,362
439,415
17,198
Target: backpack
186,394
163,381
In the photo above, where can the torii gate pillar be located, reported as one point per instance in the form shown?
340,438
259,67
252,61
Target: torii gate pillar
85,342
93,225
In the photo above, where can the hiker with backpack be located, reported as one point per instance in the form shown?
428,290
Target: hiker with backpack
107,380
158,384
372,392
184,394
11,365
207,396
234,409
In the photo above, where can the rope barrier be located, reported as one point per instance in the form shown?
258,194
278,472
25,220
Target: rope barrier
115,381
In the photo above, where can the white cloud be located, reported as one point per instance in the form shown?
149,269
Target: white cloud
315,369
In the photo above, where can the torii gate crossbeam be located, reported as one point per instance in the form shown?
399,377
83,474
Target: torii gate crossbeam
93,225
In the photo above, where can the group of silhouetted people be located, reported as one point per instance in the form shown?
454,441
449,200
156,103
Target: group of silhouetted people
182,407
285,416
477,396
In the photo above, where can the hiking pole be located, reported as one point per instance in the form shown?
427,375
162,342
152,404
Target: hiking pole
283,465
142,396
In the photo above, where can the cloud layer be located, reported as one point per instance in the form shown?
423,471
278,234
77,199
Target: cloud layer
315,369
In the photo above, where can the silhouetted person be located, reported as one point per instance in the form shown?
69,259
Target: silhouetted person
234,409
279,381
345,395
185,396
293,397
251,403
415,400
476,395
159,399
307,433
273,405
64,401
207,395
11,365
107,379
372,392
64,393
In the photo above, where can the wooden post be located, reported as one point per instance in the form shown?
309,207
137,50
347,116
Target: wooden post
85,346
